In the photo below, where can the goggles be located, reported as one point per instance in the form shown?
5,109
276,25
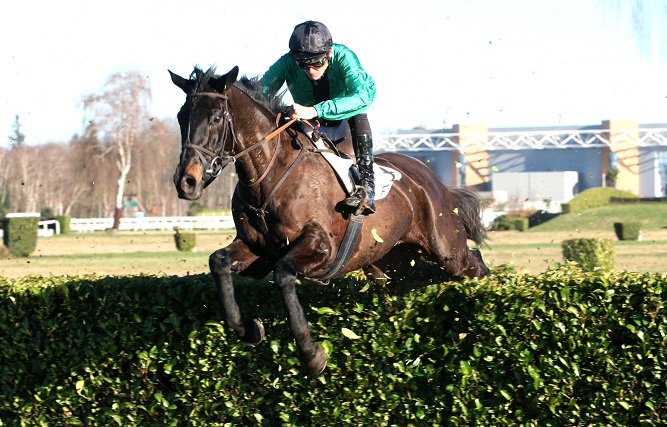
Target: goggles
312,63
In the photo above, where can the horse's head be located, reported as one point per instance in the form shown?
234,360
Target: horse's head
206,131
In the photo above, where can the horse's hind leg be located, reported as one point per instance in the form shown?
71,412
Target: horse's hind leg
455,257
465,263
237,253
475,264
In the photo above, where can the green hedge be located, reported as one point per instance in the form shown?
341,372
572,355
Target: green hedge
590,253
509,222
64,221
185,242
630,230
20,234
561,348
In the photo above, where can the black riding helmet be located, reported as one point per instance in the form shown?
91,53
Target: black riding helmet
310,40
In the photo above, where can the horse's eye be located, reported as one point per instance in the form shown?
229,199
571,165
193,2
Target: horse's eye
217,117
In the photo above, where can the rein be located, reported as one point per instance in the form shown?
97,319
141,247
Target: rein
219,161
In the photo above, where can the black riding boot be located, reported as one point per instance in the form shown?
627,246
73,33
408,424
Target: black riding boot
363,199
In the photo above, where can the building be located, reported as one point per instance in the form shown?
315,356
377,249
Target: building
622,153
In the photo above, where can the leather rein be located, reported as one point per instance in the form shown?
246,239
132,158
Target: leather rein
219,160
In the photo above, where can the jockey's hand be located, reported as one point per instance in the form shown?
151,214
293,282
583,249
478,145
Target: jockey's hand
297,111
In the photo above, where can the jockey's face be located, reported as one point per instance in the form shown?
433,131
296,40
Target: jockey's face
315,69
315,73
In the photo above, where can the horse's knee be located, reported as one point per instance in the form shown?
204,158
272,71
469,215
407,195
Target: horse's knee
284,273
219,261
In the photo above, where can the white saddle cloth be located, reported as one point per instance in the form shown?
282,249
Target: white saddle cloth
384,176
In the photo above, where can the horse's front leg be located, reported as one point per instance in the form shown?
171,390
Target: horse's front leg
309,253
238,257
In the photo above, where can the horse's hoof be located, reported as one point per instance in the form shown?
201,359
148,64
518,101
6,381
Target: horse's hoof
254,332
318,362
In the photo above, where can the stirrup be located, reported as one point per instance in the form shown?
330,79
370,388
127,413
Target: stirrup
354,200
359,202
366,207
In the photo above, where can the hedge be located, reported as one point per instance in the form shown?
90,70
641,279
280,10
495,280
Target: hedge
590,253
185,242
510,222
629,230
65,221
20,234
562,348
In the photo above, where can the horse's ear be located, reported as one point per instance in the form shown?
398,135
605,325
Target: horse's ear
225,82
179,81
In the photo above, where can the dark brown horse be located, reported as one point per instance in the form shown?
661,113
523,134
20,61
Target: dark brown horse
285,204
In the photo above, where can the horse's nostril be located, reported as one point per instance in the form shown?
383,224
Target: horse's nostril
188,184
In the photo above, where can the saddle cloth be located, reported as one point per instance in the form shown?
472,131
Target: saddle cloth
384,176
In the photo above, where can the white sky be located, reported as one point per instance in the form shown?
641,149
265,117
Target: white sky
436,63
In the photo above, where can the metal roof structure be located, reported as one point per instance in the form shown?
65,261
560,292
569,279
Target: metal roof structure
520,139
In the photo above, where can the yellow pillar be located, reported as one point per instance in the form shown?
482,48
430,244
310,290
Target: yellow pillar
473,140
623,136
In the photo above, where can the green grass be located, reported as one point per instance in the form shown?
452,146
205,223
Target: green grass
534,249
539,247
653,216
594,197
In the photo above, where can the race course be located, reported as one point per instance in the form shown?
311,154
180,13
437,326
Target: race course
132,253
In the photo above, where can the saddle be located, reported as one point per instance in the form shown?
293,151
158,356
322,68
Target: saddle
345,166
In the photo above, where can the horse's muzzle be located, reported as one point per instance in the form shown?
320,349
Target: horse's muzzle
188,187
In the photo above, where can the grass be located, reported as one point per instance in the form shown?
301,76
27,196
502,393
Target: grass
122,254
653,216
537,251
539,247
533,250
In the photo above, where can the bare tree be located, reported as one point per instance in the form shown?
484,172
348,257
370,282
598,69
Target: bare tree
118,113
156,156
5,195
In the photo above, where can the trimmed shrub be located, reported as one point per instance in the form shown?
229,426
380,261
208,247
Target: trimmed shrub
185,242
628,230
64,221
508,222
540,217
590,254
562,348
20,234
520,224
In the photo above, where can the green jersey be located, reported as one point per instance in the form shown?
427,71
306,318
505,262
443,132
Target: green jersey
351,89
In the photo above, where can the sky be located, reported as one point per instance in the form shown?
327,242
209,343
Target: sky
510,63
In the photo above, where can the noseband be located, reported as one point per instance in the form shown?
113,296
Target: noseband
220,160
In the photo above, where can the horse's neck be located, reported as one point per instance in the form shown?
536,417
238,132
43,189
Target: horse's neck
258,163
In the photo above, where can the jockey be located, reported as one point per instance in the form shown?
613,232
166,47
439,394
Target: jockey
327,82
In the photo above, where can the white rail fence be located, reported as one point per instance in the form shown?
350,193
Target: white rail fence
154,223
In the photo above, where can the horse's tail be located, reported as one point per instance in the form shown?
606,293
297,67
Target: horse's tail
469,211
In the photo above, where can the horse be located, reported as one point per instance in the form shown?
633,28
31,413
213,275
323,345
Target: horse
286,204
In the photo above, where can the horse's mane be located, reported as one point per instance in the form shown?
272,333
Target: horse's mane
251,86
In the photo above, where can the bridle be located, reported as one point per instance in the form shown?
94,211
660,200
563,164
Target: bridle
220,160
